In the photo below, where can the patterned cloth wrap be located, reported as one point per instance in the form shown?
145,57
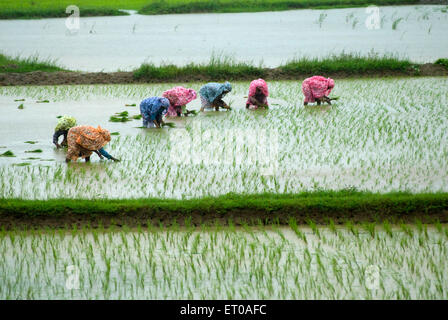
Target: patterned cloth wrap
153,108
65,123
178,97
316,87
211,91
260,83
83,140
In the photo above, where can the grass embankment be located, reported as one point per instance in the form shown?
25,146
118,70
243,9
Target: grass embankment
229,69
443,62
198,6
12,9
316,206
13,71
30,9
20,65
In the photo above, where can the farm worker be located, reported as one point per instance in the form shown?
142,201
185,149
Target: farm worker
152,110
317,88
84,140
212,94
178,97
258,94
64,124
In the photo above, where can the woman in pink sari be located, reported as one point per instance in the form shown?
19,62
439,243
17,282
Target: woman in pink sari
317,88
258,94
178,97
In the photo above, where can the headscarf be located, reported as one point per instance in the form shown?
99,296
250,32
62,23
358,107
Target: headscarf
151,107
178,96
260,83
212,90
65,123
90,138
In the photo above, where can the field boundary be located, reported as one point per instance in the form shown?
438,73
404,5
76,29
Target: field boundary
34,10
71,77
319,207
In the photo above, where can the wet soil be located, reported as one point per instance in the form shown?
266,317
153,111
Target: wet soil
68,77
237,217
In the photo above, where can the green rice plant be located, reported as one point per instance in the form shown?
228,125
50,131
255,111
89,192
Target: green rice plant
396,22
8,153
370,228
42,101
293,224
387,227
31,142
34,151
120,117
313,227
169,124
352,228
22,164
406,229
21,107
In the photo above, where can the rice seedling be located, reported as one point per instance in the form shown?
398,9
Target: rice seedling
8,153
395,23
21,107
34,151
42,101
120,117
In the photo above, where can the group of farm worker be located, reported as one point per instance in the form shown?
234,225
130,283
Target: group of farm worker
83,141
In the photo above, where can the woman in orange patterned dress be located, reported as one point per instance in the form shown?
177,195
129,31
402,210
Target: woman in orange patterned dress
84,140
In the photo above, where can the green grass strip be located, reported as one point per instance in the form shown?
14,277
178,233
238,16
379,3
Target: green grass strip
341,203
225,68
222,6
26,9
443,62
34,63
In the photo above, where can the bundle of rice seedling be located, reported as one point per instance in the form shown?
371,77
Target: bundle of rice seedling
169,124
120,117
8,153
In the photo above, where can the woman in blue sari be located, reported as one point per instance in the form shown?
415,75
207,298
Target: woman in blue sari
212,94
152,110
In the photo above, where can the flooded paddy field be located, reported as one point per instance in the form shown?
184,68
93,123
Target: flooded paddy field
381,135
213,262
125,42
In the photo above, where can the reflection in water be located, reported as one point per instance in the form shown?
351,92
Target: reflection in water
124,42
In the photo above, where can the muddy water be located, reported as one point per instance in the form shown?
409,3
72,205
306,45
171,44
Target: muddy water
382,135
36,122
124,42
